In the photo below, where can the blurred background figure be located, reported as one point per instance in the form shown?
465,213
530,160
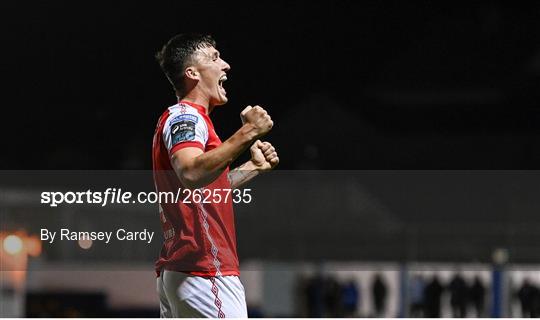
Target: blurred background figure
416,296
350,296
432,298
379,291
529,297
314,293
477,294
458,296
332,297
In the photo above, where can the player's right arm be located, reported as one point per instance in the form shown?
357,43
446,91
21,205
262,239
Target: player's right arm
196,168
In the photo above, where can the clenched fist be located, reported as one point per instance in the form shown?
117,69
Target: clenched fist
264,155
258,118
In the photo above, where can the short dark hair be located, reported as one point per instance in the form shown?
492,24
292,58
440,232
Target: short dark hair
176,55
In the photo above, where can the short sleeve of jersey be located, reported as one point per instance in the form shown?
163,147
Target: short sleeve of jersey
184,129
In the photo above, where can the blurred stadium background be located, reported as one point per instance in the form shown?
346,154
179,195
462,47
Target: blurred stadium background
351,85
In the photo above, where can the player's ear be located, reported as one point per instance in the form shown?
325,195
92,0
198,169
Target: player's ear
191,73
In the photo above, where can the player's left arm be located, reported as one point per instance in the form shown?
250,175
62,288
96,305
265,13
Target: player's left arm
263,158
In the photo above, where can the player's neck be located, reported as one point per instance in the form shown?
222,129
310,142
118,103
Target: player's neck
197,99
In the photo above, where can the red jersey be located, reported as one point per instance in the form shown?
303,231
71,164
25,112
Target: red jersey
200,238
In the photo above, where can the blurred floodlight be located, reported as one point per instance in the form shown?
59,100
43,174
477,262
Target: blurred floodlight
500,256
13,244
85,243
33,246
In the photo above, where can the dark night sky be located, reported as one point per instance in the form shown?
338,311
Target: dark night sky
350,85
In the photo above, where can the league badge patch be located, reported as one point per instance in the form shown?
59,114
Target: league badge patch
182,131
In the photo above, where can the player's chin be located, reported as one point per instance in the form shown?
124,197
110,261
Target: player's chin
221,101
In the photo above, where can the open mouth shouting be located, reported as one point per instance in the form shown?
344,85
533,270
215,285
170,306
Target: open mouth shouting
222,79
